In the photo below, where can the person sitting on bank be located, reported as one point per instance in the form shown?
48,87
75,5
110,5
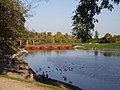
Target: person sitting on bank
46,76
30,73
43,75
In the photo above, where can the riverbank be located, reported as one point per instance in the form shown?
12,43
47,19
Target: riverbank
82,46
12,78
103,46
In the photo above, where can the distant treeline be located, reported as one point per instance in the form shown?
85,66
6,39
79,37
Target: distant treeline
108,38
48,37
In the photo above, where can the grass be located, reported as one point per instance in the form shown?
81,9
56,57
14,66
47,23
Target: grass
106,46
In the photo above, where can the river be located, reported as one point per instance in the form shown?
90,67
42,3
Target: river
87,69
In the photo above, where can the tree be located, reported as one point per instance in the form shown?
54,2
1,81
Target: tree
11,21
107,38
96,39
96,35
49,38
117,38
84,20
68,38
58,37
80,32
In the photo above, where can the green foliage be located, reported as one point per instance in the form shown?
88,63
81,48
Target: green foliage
49,38
83,20
11,19
12,22
117,38
46,37
96,35
58,37
103,46
107,38
80,32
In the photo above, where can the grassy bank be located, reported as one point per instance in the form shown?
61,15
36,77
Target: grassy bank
106,46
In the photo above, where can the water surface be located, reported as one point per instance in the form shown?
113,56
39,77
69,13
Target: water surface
87,69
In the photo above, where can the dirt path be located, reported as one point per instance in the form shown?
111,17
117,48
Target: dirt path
9,84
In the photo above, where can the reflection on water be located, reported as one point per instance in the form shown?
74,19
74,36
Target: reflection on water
88,69
96,53
110,53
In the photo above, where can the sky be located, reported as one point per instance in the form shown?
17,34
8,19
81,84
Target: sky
56,16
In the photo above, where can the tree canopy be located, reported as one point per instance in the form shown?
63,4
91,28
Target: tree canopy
12,21
84,20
